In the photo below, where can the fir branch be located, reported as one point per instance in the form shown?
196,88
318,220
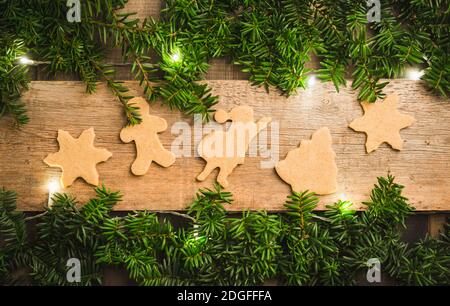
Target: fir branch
13,79
298,247
121,92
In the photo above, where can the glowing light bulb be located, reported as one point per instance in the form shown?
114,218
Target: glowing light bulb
311,80
23,60
196,231
414,74
343,197
175,57
53,187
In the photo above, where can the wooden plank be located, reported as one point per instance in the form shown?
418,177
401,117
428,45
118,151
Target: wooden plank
144,8
436,224
423,166
223,69
416,228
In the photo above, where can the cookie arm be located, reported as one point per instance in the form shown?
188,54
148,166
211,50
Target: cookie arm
357,124
126,134
161,125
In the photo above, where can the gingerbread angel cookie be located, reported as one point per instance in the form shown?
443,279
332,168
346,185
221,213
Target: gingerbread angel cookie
226,149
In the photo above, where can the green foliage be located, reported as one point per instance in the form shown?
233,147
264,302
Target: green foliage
80,48
74,48
13,236
272,40
13,78
62,232
237,251
430,36
301,246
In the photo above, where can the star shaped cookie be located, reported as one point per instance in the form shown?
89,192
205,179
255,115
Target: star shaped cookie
382,122
77,157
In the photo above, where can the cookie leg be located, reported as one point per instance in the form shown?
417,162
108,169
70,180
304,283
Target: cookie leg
396,141
140,165
209,167
91,177
68,179
165,158
222,177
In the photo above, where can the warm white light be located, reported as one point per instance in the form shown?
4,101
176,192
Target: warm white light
175,57
23,60
414,74
311,80
53,187
343,197
196,231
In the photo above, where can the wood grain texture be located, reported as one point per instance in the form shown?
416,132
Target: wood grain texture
144,8
436,224
423,166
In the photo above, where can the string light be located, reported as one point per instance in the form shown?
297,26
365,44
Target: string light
196,230
175,57
23,60
414,74
343,197
53,187
172,56
311,80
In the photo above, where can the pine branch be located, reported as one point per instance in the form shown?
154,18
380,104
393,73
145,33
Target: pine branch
13,79
121,92
299,247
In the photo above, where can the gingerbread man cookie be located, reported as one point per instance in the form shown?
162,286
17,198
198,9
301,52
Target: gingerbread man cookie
145,135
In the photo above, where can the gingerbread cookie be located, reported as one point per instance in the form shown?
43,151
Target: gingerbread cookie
382,122
311,166
226,150
77,157
145,135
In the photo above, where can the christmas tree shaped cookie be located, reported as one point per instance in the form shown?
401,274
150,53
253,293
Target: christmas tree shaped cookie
226,149
311,166
382,122
77,157
145,135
